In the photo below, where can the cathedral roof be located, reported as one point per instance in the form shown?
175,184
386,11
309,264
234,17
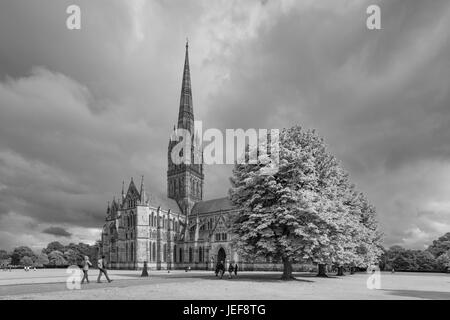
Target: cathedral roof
132,192
214,205
150,198
164,202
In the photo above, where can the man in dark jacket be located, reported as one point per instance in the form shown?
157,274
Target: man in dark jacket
221,268
217,268
102,269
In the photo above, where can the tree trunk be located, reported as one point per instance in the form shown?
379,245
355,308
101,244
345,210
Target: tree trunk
287,269
322,271
340,271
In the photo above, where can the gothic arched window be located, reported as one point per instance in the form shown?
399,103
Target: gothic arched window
149,247
132,252
153,251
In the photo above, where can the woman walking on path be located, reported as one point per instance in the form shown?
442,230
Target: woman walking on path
86,265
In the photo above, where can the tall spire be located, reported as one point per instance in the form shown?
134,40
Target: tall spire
186,113
185,182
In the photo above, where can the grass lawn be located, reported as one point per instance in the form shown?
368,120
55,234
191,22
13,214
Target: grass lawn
51,284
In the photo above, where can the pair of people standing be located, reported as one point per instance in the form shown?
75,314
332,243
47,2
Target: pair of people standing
232,269
220,269
101,264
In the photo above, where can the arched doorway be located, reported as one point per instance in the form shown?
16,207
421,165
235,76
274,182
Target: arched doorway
221,255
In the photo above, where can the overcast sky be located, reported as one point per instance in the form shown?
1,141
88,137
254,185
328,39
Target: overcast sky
80,111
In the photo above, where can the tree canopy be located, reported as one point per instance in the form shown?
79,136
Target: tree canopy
441,245
55,254
306,211
20,252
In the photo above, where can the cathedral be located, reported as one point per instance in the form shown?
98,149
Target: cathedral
179,230
174,232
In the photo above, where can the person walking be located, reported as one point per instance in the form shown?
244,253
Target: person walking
86,265
235,269
217,268
230,270
102,269
144,270
221,269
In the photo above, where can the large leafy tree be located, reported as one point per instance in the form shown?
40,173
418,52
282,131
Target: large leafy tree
441,245
72,257
298,213
443,262
26,261
4,255
56,259
368,238
5,258
41,260
53,246
20,252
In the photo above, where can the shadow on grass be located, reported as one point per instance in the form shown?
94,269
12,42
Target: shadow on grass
271,277
433,295
245,276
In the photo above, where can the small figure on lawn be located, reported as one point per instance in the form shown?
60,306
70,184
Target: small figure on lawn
230,270
144,270
221,269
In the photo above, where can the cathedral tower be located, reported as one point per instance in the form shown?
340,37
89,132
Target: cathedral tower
185,181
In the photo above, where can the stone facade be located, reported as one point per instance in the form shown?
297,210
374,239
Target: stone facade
177,231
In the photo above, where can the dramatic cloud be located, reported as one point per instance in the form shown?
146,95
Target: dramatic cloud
80,111
58,232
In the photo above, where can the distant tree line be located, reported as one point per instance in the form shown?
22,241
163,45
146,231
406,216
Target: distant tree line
53,256
436,258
